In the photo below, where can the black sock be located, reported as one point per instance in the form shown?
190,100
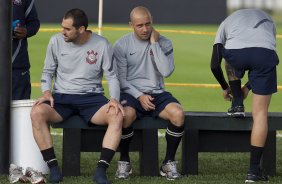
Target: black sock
127,135
237,93
173,137
49,157
256,154
105,158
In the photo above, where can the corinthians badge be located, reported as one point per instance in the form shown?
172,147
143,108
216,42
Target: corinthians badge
92,57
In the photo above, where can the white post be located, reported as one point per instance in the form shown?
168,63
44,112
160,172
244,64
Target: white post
100,17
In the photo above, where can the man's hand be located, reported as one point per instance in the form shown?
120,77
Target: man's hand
227,95
245,91
47,96
155,35
20,32
116,105
146,102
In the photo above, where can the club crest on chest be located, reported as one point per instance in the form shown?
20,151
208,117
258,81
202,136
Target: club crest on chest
92,57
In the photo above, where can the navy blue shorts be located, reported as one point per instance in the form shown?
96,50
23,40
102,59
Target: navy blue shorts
161,100
85,105
21,87
260,64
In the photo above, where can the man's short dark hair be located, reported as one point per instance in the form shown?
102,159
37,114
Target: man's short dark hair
78,16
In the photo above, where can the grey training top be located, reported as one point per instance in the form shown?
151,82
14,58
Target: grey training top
78,69
247,28
141,65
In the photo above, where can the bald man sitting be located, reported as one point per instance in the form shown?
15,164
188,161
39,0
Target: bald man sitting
144,58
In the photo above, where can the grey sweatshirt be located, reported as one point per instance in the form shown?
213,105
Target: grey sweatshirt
247,28
78,69
142,66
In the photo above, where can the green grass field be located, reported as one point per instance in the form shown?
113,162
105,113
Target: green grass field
192,60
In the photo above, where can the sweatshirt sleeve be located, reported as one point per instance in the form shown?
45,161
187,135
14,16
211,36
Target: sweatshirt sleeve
163,57
32,22
50,66
110,71
216,65
220,34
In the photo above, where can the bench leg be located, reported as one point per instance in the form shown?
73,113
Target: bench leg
71,152
190,152
269,154
149,160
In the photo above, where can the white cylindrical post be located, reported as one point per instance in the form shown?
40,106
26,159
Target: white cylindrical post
100,17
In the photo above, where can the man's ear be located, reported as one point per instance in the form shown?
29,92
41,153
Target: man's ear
130,24
81,29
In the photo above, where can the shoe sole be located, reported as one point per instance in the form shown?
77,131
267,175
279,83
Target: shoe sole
38,182
165,175
21,180
252,181
249,181
130,172
100,183
236,114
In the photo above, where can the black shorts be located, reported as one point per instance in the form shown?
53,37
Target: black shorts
260,64
21,87
85,105
161,100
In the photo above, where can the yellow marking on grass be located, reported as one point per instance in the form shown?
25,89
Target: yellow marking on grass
193,85
35,84
173,85
160,30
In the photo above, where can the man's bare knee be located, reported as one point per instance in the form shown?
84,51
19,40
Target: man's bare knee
114,120
129,118
177,117
38,113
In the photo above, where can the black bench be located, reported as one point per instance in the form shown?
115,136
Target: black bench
78,137
204,132
216,132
